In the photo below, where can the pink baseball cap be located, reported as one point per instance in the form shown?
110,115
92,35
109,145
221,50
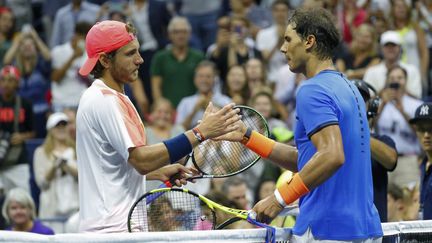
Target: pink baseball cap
104,37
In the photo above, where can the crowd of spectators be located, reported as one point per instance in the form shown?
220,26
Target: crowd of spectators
195,52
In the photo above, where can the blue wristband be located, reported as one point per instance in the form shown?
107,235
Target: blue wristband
178,147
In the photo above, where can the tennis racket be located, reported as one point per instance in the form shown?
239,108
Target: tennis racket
217,159
179,209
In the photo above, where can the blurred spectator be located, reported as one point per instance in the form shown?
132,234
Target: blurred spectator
56,172
49,11
16,122
236,190
151,18
22,10
352,17
255,75
202,16
19,210
383,152
172,69
396,109
413,40
222,37
236,85
259,17
161,125
424,13
161,128
33,59
221,198
6,31
270,40
287,83
191,108
391,50
264,189
361,54
395,203
68,16
423,125
379,22
71,125
238,51
67,85
263,102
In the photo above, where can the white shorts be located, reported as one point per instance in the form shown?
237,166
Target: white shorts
307,237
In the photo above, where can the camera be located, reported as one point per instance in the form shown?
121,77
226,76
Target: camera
394,85
26,28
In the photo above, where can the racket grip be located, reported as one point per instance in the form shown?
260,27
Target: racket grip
171,181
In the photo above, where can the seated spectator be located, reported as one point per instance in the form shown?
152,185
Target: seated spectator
236,86
56,172
19,210
67,85
191,108
172,69
32,57
422,122
395,111
238,51
16,126
6,31
352,17
361,54
391,50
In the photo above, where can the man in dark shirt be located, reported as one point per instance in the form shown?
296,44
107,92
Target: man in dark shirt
422,122
383,152
16,121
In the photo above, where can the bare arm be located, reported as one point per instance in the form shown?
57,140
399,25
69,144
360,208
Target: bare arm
383,153
423,51
13,50
328,158
44,50
156,82
284,156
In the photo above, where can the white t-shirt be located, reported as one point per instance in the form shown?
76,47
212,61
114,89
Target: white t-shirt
392,123
107,126
67,92
266,40
377,75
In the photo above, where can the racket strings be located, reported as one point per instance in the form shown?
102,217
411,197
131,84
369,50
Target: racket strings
172,211
222,158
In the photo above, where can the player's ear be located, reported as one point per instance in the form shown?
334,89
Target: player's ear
309,42
105,60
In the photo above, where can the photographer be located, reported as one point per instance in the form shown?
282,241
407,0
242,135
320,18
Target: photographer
56,172
396,109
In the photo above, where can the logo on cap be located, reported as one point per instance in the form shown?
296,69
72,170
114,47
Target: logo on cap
424,110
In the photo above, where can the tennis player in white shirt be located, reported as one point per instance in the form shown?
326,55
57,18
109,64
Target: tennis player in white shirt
112,153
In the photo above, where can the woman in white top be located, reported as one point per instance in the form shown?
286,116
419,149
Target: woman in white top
56,173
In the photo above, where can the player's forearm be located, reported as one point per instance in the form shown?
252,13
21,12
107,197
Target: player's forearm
384,154
149,158
321,167
284,156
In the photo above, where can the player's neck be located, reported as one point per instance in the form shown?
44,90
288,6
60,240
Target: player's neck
315,66
117,86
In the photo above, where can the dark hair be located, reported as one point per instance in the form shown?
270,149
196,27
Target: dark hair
82,28
319,23
277,2
206,63
232,181
394,67
98,68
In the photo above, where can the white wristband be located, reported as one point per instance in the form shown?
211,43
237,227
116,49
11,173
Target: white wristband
279,198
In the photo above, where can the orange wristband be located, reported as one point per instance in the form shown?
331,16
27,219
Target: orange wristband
260,144
292,189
